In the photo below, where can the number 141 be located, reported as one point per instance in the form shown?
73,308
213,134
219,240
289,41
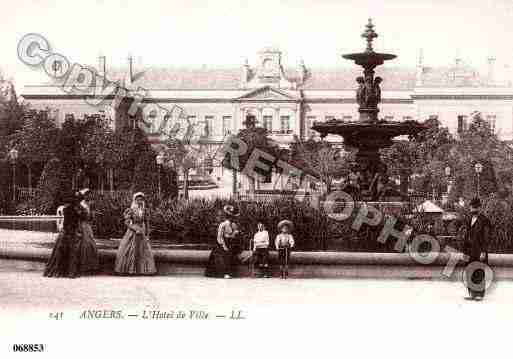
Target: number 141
56,315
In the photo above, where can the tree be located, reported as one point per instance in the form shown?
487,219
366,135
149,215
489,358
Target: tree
255,138
35,140
401,160
68,153
52,187
321,159
478,144
11,115
424,156
179,157
100,151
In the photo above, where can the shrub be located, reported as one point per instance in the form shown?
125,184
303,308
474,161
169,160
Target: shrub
195,222
52,187
108,218
5,203
28,208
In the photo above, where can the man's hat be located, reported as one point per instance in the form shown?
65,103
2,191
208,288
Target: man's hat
80,195
138,194
475,202
287,223
230,210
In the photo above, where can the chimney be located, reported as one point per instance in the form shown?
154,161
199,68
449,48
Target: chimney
491,71
245,74
130,72
102,69
420,69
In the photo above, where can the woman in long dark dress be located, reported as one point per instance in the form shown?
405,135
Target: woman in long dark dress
220,260
88,259
63,261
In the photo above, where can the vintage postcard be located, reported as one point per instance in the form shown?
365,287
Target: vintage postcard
255,178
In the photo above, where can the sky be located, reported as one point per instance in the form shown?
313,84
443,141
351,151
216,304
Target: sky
226,32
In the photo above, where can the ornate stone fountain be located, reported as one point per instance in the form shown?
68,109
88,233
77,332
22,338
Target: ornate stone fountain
369,134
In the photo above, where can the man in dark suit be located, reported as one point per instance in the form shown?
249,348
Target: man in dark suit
476,248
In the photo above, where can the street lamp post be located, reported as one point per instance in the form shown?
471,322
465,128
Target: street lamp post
160,160
479,168
13,157
448,174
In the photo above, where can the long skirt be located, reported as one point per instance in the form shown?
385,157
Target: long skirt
219,263
73,254
63,261
134,255
87,251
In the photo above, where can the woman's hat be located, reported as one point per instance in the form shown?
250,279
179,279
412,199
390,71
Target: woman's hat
475,202
80,195
287,223
230,210
138,194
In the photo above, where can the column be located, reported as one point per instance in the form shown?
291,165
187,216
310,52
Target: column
242,118
235,115
294,122
301,118
260,119
276,120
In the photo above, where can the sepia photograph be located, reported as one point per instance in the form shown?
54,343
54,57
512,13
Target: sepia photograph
256,178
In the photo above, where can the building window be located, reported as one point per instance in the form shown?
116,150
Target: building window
227,125
192,125
268,123
309,123
285,124
207,126
253,116
407,118
347,118
462,123
491,120
389,117
191,120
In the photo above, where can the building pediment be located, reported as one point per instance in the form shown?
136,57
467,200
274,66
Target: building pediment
267,93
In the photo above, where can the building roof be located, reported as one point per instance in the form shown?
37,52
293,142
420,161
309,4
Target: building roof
316,78
394,78
224,78
453,76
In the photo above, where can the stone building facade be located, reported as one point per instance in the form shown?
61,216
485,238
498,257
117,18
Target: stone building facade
287,100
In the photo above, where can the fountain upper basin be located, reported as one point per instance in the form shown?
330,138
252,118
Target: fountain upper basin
369,58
